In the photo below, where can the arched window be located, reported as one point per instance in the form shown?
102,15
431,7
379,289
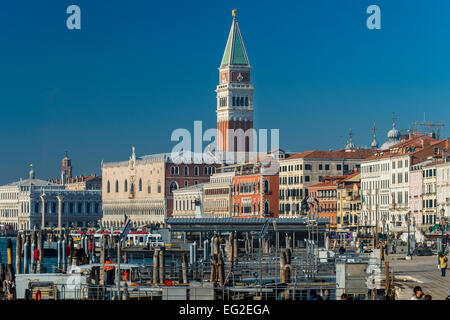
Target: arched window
234,101
108,187
186,171
174,170
196,171
173,186
242,101
149,188
140,184
266,207
246,101
132,188
205,170
266,186
117,186
125,186
159,187
237,101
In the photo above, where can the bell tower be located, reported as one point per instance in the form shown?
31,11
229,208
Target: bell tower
234,95
66,169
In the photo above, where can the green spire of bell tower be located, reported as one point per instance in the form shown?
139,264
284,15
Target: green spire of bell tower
235,53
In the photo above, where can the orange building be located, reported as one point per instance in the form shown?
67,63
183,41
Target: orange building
255,193
325,192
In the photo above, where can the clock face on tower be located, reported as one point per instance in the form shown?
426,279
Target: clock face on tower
240,76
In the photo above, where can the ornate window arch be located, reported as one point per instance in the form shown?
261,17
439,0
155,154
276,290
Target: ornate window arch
125,185
140,184
173,186
108,187
117,186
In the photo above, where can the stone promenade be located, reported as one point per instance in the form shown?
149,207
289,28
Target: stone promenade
420,271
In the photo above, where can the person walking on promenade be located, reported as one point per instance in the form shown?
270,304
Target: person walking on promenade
443,263
418,293
361,247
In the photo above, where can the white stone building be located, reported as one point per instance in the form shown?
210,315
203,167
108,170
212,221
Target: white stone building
30,203
375,188
186,200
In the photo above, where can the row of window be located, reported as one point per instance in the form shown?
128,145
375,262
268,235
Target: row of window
429,173
239,101
383,167
325,194
216,191
125,187
250,208
400,164
68,207
184,205
369,185
320,166
175,171
295,180
400,179
250,187
296,193
429,204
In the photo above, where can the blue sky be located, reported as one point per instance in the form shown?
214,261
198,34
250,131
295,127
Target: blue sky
137,70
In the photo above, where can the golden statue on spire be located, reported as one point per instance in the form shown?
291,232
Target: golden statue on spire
234,13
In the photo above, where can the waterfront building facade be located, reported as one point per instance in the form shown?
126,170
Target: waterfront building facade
217,198
142,187
325,193
299,171
349,203
255,191
34,203
385,182
188,201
